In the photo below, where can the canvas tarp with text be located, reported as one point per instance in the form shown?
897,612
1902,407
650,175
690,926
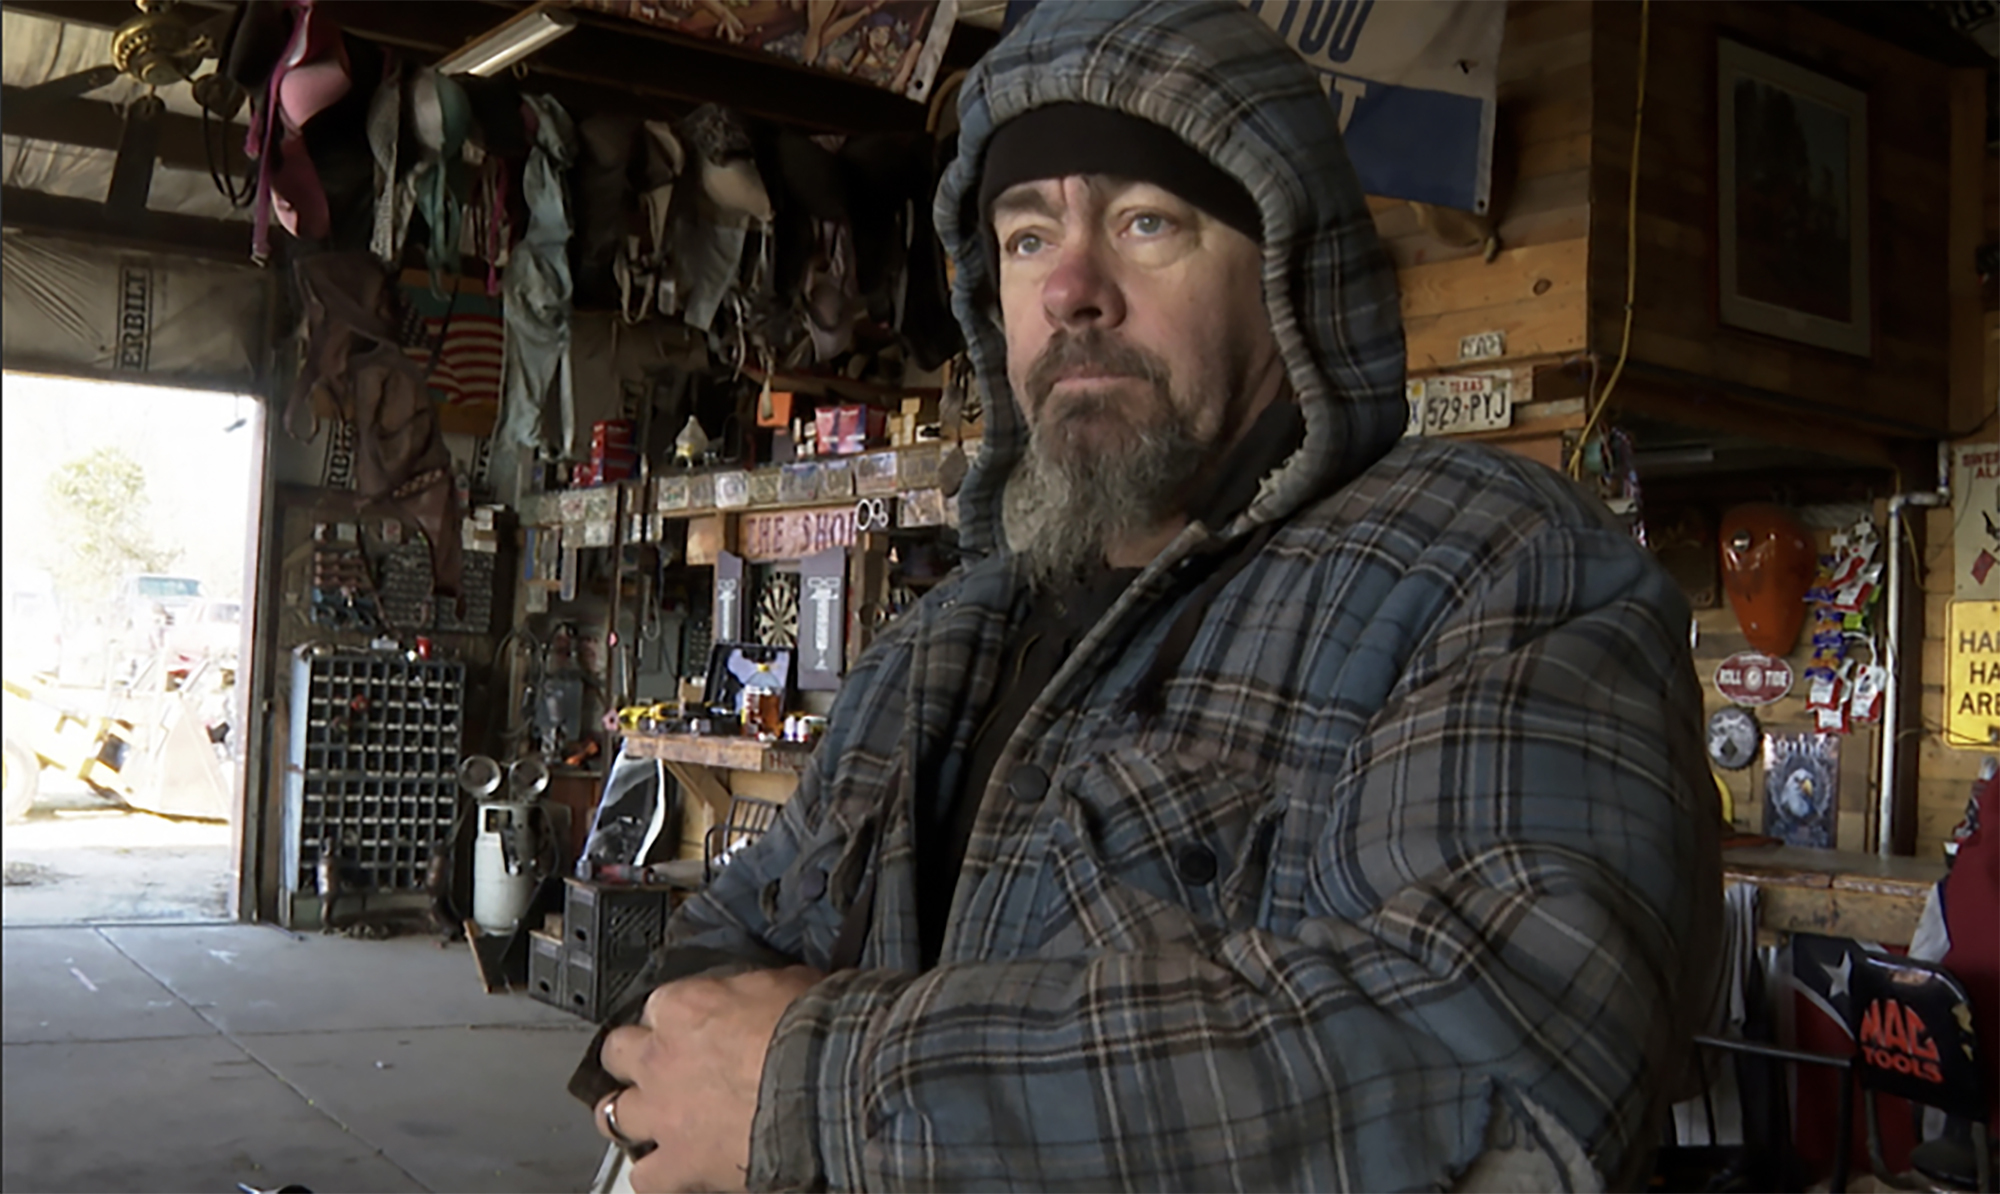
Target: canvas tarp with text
82,310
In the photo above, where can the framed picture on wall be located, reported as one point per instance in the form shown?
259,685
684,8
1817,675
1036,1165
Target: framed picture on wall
1802,789
1792,166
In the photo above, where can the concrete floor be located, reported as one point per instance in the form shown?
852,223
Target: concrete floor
146,1043
170,1057
85,863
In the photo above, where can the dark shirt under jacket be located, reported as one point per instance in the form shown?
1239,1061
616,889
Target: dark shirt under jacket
1052,623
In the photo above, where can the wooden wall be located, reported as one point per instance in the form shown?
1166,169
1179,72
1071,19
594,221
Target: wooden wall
1563,146
1533,291
1717,638
1903,388
1945,773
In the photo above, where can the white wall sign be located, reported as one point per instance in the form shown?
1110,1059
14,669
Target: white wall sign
1975,520
1416,72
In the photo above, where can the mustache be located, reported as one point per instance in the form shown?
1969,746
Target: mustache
1094,352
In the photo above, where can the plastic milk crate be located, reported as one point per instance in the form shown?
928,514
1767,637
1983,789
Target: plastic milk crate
609,932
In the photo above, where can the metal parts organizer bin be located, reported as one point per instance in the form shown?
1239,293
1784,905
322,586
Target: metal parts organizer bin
373,759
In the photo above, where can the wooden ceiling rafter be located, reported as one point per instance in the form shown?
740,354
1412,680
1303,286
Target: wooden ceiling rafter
155,231
95,124
1715,408
604,64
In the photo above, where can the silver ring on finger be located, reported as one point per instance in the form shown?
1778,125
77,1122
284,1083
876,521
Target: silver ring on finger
634,1149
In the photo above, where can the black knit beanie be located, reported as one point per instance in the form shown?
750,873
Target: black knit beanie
1064,139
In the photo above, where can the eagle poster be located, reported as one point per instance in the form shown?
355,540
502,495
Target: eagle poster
1802,788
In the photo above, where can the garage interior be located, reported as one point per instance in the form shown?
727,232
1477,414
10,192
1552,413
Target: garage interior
276,1054
506,689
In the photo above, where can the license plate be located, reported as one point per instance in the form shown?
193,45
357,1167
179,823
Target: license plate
1457,405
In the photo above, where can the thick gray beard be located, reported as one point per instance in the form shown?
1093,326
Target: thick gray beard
1061,513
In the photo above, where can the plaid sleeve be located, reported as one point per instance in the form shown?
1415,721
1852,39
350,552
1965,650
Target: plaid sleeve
1504,903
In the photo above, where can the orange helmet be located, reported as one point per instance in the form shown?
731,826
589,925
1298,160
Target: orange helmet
1768,564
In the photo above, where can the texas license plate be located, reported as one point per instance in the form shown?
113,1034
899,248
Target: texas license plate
1456,405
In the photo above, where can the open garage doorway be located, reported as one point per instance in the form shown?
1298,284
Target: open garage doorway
129,518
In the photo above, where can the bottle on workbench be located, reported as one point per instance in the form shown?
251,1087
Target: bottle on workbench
763,702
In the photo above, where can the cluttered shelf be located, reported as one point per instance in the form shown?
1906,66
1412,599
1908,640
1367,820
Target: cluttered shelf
920,472
833,385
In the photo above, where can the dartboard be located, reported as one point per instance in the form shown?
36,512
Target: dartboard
778,609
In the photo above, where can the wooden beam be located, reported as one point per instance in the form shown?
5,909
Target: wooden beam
95,124
614,65
155,231
1971,401
605,64
1910,27
1693,399
755,84
702,784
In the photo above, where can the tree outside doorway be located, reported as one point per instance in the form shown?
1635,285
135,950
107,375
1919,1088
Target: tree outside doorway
127,519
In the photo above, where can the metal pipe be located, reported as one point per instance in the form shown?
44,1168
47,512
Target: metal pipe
1885,801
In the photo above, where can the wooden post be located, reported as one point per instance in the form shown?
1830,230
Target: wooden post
1971,402
868,590
709,536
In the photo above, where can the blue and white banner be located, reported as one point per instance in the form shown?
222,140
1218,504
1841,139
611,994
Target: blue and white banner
1414,82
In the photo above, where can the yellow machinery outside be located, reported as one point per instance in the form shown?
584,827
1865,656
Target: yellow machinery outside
152,753
41,733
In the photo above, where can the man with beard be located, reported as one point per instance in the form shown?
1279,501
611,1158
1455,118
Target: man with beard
1278,802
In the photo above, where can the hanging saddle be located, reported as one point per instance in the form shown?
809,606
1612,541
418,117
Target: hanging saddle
354,367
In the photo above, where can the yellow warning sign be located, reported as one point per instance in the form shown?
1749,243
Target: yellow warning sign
1972,674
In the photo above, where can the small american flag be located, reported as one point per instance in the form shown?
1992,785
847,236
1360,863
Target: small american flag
468,366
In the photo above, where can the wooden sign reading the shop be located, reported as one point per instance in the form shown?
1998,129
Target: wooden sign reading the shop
794,534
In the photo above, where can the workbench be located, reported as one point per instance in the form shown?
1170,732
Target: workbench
1835,893
713,769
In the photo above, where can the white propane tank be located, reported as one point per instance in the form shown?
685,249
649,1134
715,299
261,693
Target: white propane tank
503,865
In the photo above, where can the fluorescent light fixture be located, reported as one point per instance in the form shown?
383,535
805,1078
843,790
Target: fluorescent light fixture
508,43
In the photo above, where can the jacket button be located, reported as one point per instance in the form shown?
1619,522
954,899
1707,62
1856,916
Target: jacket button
1195,865
1028,784
812,885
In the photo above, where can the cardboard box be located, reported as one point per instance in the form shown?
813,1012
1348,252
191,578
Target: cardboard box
847,429
613,433
614,465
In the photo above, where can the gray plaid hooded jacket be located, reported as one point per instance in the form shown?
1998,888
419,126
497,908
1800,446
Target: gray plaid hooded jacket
1414,836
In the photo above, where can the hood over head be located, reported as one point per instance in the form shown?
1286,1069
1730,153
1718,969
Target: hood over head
1214,75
